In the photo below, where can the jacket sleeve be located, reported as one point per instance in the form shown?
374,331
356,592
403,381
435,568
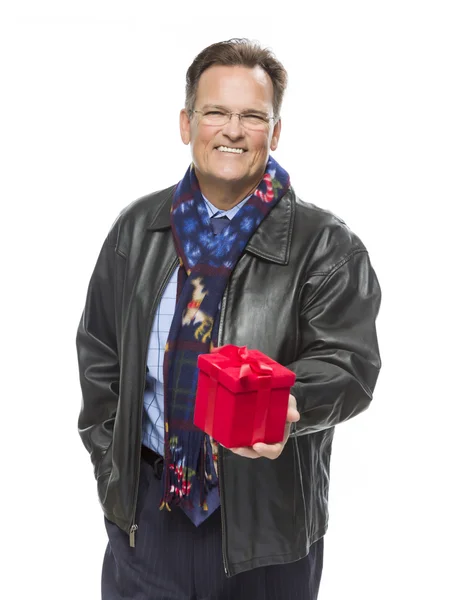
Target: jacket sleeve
98,359
339,360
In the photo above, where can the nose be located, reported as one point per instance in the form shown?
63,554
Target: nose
233,129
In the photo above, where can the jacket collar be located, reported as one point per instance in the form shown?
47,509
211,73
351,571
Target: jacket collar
272,239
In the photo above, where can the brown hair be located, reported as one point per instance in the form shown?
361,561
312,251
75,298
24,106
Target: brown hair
242,52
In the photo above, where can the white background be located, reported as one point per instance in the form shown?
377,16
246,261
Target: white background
373,129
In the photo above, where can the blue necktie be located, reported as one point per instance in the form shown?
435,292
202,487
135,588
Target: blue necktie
219,223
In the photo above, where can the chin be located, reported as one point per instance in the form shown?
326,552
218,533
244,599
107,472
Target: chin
230,176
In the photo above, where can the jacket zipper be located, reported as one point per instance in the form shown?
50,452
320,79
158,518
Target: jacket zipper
134,526
220,453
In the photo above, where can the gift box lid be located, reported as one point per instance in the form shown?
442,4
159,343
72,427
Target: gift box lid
242,370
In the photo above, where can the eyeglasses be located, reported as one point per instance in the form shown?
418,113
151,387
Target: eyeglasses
219,118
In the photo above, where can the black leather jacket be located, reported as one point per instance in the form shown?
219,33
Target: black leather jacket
303,292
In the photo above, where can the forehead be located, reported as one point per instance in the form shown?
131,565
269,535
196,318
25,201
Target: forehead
236,87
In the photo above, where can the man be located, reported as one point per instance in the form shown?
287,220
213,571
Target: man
230,255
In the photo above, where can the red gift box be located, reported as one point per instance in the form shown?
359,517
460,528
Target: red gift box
242,396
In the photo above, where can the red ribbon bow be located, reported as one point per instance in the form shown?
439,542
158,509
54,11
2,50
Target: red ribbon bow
240,357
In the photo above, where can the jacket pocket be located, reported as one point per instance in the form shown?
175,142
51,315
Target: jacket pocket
102,487
103,473
105,464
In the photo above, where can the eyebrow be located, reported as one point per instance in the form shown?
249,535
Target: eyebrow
243,112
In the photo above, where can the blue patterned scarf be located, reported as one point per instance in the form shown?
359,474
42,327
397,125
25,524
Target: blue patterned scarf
206,262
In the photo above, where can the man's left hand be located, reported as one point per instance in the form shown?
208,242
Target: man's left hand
272,451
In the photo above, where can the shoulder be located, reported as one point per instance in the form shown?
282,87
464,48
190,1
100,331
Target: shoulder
147,207
140,214
324,236
314,220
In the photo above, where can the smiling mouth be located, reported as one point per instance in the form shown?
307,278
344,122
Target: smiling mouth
228,150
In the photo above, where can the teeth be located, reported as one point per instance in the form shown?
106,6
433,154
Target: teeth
234,150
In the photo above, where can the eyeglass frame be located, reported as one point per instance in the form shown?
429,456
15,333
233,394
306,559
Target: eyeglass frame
239,115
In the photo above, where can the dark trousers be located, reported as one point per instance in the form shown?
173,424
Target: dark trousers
174,560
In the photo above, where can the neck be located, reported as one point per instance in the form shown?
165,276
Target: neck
225,195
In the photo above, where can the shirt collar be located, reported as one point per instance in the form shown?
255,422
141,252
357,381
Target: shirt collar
213,210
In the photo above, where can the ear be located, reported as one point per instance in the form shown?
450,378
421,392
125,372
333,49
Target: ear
276,135
185,126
